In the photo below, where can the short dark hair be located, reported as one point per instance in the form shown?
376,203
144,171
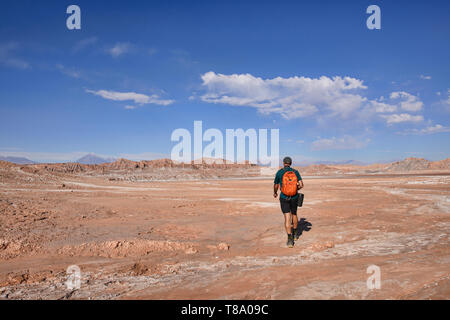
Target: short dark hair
287,160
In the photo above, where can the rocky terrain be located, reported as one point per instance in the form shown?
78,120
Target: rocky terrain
127,170
409,165
162,230
166,169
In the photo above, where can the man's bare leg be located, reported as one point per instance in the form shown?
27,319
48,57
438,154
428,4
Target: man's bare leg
287,222
295,226
295,221
287,225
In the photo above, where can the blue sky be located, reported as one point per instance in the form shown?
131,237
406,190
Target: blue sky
138,70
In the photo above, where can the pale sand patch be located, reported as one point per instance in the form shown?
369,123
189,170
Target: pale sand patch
123,248
232,199
264,204
67,190
90,185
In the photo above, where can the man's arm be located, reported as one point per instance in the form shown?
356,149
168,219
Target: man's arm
276,184
300,181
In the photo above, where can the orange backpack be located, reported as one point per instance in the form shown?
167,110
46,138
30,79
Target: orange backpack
289,185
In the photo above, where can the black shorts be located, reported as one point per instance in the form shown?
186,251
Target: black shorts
289,205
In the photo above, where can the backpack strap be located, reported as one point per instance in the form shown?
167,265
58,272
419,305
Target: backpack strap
284,171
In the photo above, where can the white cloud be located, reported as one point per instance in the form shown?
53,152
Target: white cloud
128,107
8,59
425,77
297,97
293,97
183,58
428,130
404,101
410,102
121,96
119,49
403,117
435,129
16,63
82,44
381,107
131,96
446,101
69,72
345,143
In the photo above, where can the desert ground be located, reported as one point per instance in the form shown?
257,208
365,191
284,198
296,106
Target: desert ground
222,238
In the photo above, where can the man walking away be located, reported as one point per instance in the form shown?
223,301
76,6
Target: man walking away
290,182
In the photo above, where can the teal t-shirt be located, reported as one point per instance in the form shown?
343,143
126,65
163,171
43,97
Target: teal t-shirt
279,180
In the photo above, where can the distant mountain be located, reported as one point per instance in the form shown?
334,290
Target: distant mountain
17,160
389,161
94,159
410,164
351,162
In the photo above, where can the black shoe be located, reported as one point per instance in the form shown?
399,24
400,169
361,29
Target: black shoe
296,234
290,241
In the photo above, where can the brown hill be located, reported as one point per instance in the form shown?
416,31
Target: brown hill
124,164
162,169
417,164
6,164
123,169
407,165
319,169
439,165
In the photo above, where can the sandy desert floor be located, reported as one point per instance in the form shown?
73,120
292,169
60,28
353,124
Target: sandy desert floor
224,239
